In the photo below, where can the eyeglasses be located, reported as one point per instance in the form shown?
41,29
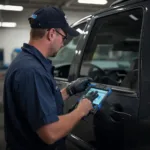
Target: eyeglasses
63,36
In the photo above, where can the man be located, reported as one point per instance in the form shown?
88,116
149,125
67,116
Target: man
33,104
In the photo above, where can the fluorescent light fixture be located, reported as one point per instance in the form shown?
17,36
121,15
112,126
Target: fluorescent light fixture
133,17
11,7
97,2
8,24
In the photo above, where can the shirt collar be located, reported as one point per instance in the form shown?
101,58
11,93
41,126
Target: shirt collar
47,64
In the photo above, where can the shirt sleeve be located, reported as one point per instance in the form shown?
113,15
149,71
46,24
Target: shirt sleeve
34,97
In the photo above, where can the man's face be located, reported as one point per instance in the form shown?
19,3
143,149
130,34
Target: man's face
57,41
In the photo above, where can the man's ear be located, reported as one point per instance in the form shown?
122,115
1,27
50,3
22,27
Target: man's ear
50,34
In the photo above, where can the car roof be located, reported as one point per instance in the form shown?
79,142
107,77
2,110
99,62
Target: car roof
124,2
114,5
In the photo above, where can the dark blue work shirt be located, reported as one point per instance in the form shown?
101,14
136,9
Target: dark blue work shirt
31,100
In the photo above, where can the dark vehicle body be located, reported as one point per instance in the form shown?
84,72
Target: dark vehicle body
113,49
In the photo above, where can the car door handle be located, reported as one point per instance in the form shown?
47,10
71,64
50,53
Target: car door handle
118,115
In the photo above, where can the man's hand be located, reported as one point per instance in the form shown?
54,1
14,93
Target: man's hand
85,105
78,86
92,95
52,132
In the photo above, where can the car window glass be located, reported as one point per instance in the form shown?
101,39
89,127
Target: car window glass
64,57
112,53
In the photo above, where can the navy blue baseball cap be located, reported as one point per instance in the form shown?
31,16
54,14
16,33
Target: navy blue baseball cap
51,17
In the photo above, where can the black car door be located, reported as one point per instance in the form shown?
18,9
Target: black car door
111,56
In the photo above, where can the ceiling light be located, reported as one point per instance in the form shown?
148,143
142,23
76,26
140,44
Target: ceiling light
97,2
11,7
8,24
133,17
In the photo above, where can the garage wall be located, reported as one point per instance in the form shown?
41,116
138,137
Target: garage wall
11,38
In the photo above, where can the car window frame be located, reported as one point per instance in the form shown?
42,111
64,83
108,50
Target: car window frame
106,14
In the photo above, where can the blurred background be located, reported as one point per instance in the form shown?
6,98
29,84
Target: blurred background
14,27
